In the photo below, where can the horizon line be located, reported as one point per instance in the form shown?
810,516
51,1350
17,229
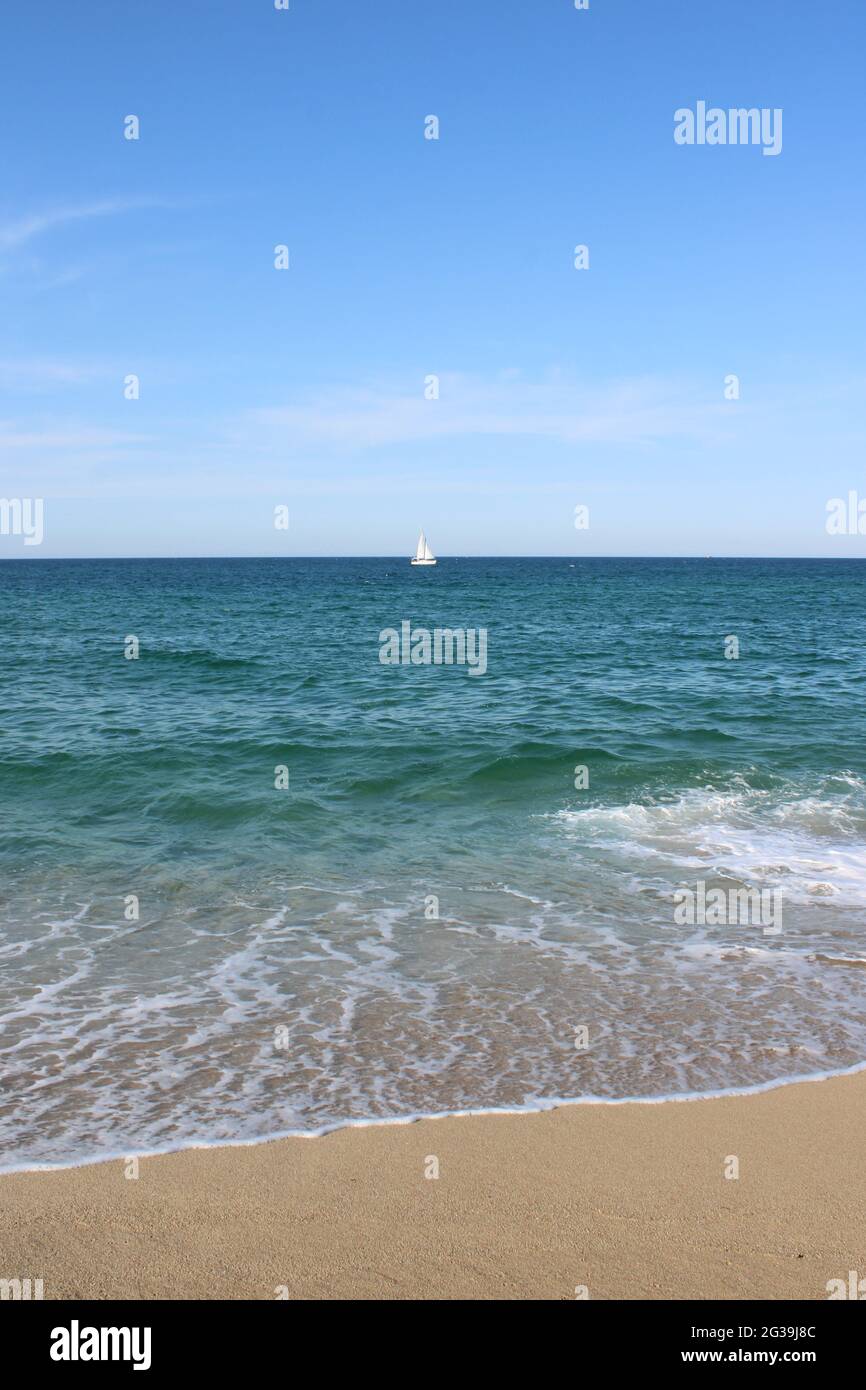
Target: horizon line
86,559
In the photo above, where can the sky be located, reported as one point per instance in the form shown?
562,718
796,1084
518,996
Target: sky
411,258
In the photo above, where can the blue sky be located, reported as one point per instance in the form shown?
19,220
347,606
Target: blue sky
411,257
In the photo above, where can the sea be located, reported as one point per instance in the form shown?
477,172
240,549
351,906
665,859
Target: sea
258,880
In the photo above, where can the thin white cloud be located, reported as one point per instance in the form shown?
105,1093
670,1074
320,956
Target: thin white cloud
71,438
628,412
40,374
337,439
17,233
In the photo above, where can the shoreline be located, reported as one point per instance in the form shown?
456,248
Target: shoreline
628,1199
541,1107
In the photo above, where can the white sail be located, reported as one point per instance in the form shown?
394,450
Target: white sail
423,554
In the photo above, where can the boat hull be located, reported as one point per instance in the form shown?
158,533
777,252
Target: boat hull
423,562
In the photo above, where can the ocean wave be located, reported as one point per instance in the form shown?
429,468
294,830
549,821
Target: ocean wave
811,844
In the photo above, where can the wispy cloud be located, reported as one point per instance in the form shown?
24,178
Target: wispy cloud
17,233
626,412
384,437
72,437
44,374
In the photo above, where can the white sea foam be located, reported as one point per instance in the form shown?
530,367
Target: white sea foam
118,1038
810,846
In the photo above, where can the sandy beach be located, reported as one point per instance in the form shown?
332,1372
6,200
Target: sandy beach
627,1201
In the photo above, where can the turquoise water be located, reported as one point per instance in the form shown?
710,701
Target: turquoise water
285,971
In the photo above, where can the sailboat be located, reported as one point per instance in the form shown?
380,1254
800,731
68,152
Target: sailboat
423,554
